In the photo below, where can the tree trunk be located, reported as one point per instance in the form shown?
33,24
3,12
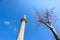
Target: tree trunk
53,31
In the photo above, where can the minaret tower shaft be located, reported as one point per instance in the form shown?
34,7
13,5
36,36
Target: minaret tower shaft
22,28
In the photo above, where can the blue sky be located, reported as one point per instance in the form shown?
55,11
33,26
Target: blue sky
11,12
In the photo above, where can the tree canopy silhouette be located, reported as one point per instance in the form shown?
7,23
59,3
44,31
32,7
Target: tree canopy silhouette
47,21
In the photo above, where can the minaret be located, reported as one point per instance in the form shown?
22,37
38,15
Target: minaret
22,28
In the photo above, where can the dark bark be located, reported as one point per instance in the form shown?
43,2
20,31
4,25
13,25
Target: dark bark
53,30
54,33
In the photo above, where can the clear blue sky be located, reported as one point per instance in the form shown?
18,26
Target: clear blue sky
11,12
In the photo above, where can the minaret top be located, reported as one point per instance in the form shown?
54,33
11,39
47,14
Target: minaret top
24,18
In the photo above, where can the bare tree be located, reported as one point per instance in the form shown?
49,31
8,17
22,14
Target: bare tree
47,21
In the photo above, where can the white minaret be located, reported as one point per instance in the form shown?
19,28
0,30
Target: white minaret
22,28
